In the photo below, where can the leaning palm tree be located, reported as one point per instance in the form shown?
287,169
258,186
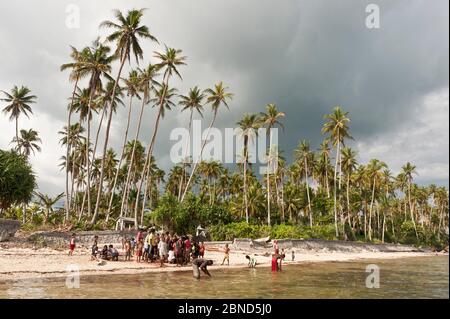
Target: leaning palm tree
249,125
47,203
169,61
20,100
193,101
28,142
146,85
270,119
166,104
126,34
337,127
216,97
132,87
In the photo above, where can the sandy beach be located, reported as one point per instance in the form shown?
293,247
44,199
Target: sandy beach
23,262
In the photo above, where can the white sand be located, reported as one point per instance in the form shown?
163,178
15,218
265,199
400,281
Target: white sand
18,263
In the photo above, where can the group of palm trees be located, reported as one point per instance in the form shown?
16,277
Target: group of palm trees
102,184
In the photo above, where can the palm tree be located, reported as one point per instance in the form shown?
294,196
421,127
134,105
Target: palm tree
374,171
193,101
216,97
47,202
337,127
20,100
249,126
132,86
75,75
96,62
28,142
409,170
325,155
170,60
164,97
302,154
270,119
126,34
348,166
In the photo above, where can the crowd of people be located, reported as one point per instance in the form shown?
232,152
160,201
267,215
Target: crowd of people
157,247
153,248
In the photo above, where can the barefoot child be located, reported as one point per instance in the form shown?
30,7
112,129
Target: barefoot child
139,247
72,244
227,255
127,250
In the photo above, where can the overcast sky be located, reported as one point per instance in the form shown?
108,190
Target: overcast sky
305,56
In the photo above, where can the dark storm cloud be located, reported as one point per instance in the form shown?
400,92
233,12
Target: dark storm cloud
305,56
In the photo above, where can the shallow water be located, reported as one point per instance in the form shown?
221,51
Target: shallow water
417,277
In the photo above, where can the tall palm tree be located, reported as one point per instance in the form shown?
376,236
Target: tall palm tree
164,97
20,100
96,62
302,153
28,142
270,119
169,61
193,101
325,155
349,164
409,170
216,97
249,125
127,32
132,87
374,169
337,128
75,75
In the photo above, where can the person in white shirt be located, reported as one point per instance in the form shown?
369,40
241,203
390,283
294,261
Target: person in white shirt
162,248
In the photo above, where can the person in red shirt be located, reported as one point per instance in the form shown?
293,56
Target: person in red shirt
72,244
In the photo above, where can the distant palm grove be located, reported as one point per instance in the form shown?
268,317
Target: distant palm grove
324,193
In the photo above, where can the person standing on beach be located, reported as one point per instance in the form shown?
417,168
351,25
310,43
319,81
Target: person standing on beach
140,246
127,250
227,255
72,244
163,251
293,256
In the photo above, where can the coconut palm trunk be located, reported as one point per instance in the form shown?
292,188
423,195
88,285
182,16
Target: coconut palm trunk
200,156
105,145
411,208
116,175
307,192
68,197
146,169
335,177
371,208
133,151
187,149
144,176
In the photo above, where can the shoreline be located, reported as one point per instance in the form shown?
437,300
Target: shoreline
47,263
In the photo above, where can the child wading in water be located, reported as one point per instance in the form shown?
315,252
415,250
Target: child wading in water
72,244
227,255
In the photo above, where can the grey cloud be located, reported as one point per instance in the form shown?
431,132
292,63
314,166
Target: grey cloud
305,56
